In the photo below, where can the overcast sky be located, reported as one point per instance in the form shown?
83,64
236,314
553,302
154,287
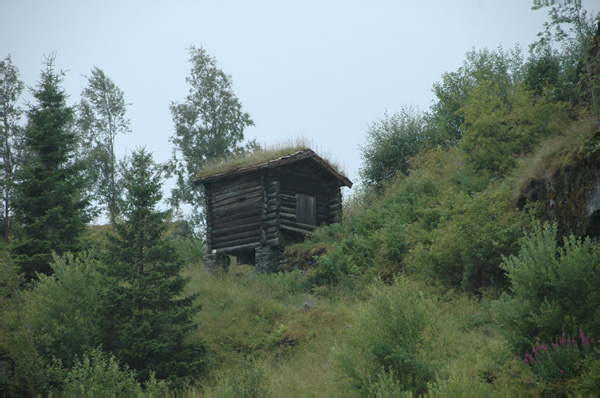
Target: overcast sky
324,70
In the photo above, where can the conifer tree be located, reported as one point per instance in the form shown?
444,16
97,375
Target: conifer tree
147,319
50,204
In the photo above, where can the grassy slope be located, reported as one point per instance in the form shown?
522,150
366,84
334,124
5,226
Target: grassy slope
261,338
258,320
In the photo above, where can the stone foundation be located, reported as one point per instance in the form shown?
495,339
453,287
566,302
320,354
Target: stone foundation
214,261
267,258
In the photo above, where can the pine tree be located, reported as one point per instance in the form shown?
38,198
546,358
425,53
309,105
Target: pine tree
146,319
50,204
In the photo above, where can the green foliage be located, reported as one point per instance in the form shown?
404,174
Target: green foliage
98,373
389,340
146,320
209,124
62,308
561,61
102,116
460,386
246,379
445,122
51,206
553,289
391,142
501,124
560,360
11,136
466,249
24,370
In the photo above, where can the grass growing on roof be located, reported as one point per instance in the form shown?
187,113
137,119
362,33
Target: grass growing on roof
259,156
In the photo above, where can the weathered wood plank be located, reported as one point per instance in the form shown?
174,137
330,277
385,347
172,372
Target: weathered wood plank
228,183
235,193
224,247
231,239
238,207
208,208
236,215
253,220
303,230
217,233
250,197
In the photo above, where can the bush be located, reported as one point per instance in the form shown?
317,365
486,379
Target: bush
388,341
98,373
63,308
501,124
559,360
553,289
391,142
466,249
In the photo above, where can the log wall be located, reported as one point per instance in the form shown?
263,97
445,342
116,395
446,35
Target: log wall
234,212
261,208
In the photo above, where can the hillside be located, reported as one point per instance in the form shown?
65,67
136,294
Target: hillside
467,263
427,254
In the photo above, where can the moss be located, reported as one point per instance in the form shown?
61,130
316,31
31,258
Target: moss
259,156
300,257
247,159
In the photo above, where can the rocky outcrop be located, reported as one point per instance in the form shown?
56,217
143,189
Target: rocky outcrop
568,193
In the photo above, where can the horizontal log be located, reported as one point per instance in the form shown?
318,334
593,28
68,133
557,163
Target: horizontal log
228,247
294,229
251,197
216,232
238,207
246,246
223,217
255,220
298,225
235,193
272,223
232,186
272,229
273,242
250,236
288,211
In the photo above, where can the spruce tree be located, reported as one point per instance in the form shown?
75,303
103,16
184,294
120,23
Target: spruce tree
50,204
147,320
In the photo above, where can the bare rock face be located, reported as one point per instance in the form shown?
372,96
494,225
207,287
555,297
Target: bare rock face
569,194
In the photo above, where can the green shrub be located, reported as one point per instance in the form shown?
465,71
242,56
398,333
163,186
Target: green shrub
501,124
561,359
466,249
98,373
388,340
553,289
391,142
247,379
460,386
62,308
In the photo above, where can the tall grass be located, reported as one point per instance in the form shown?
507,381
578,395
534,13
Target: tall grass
258,328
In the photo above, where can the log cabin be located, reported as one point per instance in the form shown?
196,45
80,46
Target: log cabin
254,211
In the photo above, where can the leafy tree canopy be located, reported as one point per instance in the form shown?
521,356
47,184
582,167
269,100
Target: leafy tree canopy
209,124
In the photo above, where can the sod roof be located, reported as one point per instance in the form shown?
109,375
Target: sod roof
265,159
